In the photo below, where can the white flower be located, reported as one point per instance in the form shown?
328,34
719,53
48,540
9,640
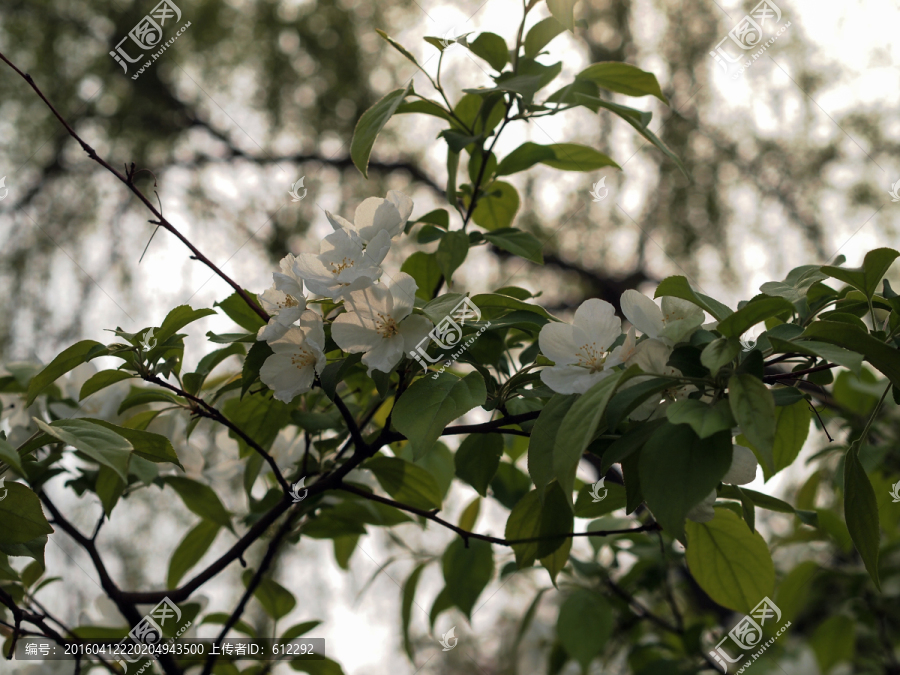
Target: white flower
673,323
581,351
378,322
298,357
344,264
652,357
742,471
284,301
376,215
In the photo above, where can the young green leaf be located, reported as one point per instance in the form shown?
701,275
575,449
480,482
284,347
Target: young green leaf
477,460
430,404
753,407
623,78
406,482
101,380
492,48
21,516
497,208
192,547
94,440
540,35
467,571
719,352
452,252
678,287
866,278
65,361
861,513
729,562
678,469
200,499
523,244
756,311
370,125
703,418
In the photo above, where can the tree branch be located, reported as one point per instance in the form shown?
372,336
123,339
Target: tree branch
128,180
466,535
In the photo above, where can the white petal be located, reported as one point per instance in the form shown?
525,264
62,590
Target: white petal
376,215
385,355
571,379
338,223
284,378
642,312
597,318
351,335
403,290
274,330
308,266
743,467
652,356
370,305
414,329
377,249
557,343
403,203
704,511
313,329
623,352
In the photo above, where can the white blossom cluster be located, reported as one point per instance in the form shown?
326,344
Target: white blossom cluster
583,355
378,320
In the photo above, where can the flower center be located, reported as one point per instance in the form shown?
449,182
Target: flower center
302,359
590,357
386,327
289,301
337,268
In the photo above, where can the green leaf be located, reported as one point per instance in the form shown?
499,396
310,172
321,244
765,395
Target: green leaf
757,310
678,287
791,430
719,352
95,441
370,125
452,252
67,360
406,482
834,354
11,456
622,78
200,499
797,283
509,485
575,157
240,312
563,156
492,48
678,470
556,561
703,418
191,549
469,515
586,507
861,512
497,208
21,516
208,363
564,12
423,107
261,417
729,562
409,596
109,488
181,316
866,278
540,513
543,439
452,170
152,447
467,572
540,35
884,358
753,407
580,424
253,362
584,625
274,598
319,667
102,380
142,396
396,45
424,269
477,460
431,403
517,242
833,641
299,629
